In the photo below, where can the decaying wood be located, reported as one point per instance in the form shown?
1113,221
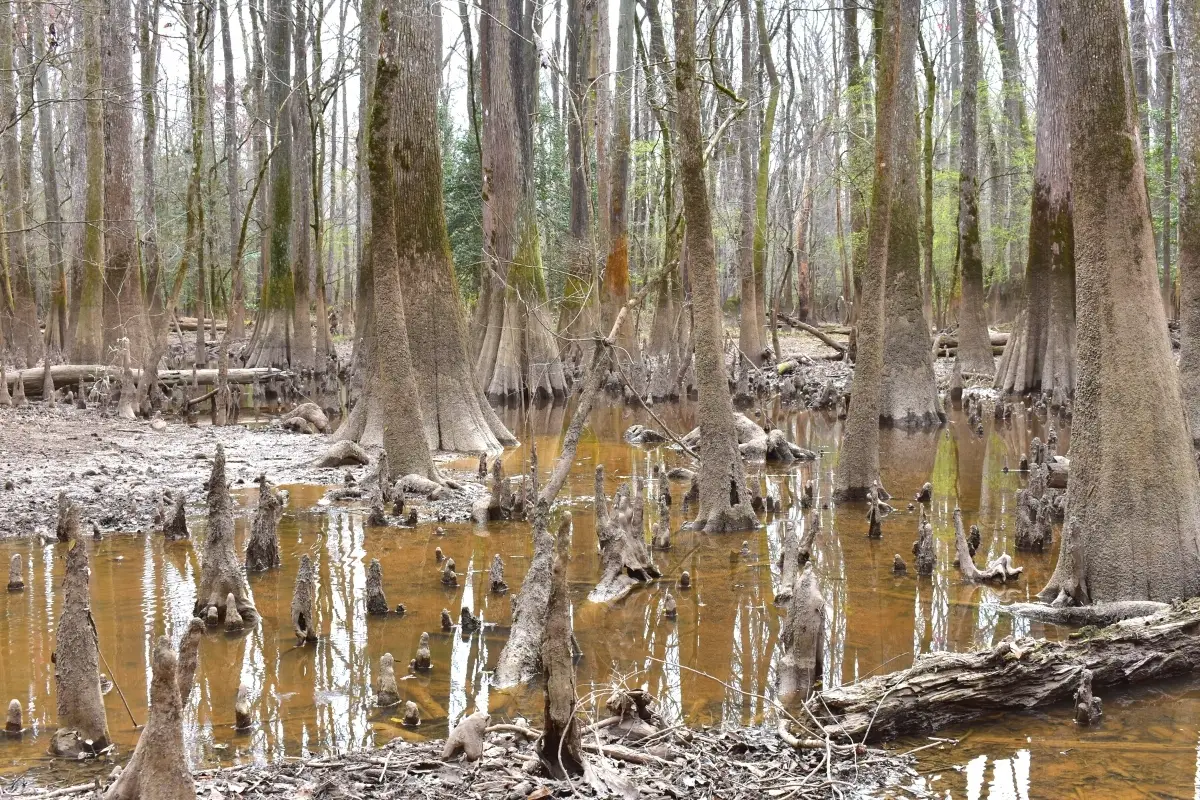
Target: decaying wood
262,551
67,525
757,444
789,562
467,738
242,715
802,635
625,559
817,332
1099,614
64,375
176,528
520,660
449,576
661,537
304,602
496,575
1000,569
376,600
942,688
1035,529
343,453
923,547
559,748
16,573
468,623
388,693
82,724
189,658
877,509
220,572
158,769
1088,709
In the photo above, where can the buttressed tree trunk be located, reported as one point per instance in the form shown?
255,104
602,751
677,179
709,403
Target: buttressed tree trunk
1040,354
909,396
1125,538
724,499
1187,39
455,413
974,347
858,464
518,356
24,335
394,386
124,304
272,343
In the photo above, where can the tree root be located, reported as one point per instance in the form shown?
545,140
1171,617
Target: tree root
623,553
1001,569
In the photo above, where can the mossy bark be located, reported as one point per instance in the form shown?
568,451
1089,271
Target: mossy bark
87,346
1125,538
1187,39
724,499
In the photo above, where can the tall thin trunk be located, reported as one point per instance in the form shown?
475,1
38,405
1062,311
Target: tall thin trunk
197,25
1139,40
927,186
1166,89
615,291
750,340
1187,38
88,344
859,153
56,320
974,346
724,503
237,311
858,464
298,111
761,188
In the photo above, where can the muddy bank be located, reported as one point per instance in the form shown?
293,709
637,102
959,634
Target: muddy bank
118,470
734,763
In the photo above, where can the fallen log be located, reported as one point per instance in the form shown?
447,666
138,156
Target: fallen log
1099,614
942,689
64,375
997,338
191,323
817,332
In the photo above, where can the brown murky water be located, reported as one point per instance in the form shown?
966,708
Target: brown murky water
710,667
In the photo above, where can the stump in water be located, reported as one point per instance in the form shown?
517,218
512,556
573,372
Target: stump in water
376,601
447,620
685,580
1035,531
16,574
262,552
304,602
500,502
189,657
468,622
243,721
670,609
467,738
13,723
923,547
389,691
82,725
876,511
624,557
449,576
176,527
560,748
808,495
1001,569
661,539
926,493
66,527
422,663
412,715
221,575
233,620
974,538
483,468
1088,709
789,562
496,575
520,659
803,637
898,565
158,769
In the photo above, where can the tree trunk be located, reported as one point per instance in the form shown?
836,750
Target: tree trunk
76,656
272,345
909,397
400,113
88,344
237,311
1124,539
124,303
858,464
24,335
804,277
518,356
1040,354
196,22
302,156
1139,41
750,340
56,320
724,500
1166,78
974,352
927,185
761,186
859,156
1187,38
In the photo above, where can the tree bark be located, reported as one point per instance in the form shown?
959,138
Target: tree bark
1165,66
974,352
615,291
56,319
1187,38
724,500
237,311
77,661
298,111
1040,354
750,340
88,344
1123,539
858,464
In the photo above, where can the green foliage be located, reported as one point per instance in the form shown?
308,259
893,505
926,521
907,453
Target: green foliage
462,185
552,176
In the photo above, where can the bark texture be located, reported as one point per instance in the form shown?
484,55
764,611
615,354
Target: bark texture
560,748
1187,39
221,574
82,725
1125,538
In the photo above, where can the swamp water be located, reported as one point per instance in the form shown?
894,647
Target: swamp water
712,666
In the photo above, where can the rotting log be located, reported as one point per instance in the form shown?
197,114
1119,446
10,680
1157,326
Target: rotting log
802,635
942,689
1098,614
64,375
817,332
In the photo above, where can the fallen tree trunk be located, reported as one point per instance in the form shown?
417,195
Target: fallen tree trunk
72,374
942,689
817,332
998,339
